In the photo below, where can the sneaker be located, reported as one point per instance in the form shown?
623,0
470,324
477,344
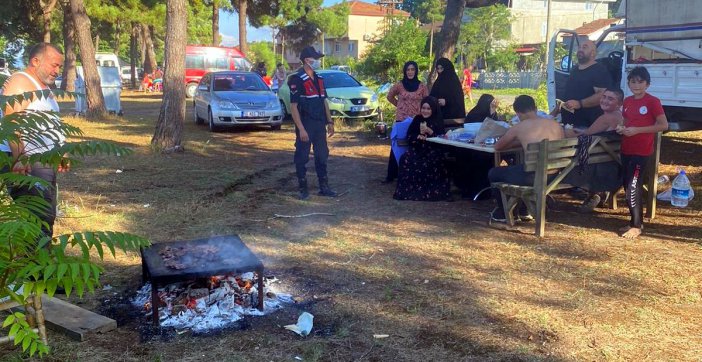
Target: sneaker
526,218
498,215
590,204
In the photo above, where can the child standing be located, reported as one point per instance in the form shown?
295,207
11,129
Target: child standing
643,118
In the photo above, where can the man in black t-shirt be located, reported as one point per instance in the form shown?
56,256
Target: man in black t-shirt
586,84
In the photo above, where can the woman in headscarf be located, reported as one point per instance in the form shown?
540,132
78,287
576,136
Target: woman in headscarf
486,107
471,167
405,95
423,175
447,89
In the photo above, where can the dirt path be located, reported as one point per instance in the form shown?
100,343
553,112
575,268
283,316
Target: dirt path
433,276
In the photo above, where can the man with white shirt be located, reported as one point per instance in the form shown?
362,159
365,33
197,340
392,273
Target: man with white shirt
45,62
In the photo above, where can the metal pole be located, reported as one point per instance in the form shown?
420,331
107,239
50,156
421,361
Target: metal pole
323,50
548,33
431,45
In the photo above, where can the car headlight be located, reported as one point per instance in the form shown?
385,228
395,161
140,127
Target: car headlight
227,105
374,98
336,100
273,105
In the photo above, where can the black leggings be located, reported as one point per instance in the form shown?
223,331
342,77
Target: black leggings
634,168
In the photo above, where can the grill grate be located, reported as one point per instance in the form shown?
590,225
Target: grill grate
228,254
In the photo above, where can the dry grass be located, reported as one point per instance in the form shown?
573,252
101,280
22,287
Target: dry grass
433,276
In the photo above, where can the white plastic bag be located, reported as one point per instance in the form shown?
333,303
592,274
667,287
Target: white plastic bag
665,195
303,326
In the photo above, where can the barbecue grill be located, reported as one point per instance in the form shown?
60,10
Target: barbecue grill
226,254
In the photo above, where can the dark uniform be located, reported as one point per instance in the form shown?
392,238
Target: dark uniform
309,94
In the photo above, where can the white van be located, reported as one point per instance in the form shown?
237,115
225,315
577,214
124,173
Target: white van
107,60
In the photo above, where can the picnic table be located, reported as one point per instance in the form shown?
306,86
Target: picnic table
477,147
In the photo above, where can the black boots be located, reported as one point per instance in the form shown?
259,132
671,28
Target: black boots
324,189
302,187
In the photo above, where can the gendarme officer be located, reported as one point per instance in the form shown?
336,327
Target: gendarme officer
313,121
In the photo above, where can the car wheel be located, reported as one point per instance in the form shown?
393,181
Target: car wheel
190,90
275,127
286,115
213,128
198,120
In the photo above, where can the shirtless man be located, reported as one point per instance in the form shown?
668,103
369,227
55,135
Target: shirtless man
611,104
531,128
45,62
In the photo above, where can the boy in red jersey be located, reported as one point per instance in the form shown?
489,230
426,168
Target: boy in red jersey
643,118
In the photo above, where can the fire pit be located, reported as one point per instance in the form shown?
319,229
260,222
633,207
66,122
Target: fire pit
179,261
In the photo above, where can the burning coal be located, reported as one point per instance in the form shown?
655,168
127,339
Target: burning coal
211,303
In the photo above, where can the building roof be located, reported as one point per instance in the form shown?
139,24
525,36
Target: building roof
365,9
595,26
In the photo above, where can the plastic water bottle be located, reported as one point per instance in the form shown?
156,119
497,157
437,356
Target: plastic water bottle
681,190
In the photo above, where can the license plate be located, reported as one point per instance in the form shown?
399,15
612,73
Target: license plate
250,114
359,108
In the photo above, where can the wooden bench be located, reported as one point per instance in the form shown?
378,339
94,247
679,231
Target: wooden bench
555,160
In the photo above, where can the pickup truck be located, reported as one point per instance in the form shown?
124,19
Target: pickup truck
666,39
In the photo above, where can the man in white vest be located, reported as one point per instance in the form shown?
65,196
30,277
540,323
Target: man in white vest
45,62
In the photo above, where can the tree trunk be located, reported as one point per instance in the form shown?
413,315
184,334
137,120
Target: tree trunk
242,27
169,128
69,64
96,101
445,41
118,34
46,9
149,53
215,23
142,45
133,37
448,36
97,42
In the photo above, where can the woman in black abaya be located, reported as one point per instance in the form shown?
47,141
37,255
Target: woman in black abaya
422,175
447,89
486,107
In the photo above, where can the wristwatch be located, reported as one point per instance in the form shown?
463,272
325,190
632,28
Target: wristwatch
580,102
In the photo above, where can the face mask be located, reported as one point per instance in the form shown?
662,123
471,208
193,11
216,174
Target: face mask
315,64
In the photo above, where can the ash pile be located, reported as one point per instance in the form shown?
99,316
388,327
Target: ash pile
211,303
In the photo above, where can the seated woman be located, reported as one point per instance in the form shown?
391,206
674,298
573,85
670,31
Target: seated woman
405,95
486,107
422,175
471,167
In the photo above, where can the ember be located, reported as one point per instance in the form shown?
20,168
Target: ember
181,257
209,303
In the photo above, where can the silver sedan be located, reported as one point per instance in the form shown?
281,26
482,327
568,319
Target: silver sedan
228,99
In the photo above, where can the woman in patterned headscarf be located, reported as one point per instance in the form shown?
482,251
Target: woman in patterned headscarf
405,95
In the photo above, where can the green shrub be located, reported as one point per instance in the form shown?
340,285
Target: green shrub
32,263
